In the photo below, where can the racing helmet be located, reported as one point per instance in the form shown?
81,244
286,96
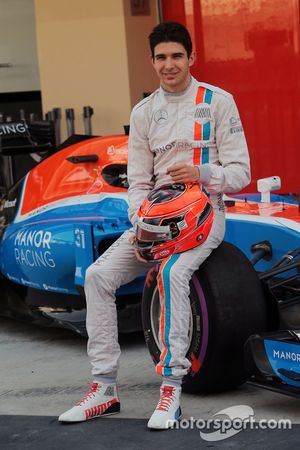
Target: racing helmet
172,219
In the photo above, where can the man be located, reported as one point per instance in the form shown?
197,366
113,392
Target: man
184,132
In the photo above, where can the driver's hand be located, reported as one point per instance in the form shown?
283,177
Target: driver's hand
183,173
132,240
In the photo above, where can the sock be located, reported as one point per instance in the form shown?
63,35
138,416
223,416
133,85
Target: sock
107,378
172,381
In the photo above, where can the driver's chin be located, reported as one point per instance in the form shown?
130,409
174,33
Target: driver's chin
170,82
174,86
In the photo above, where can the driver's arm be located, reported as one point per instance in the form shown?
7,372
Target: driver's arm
140,162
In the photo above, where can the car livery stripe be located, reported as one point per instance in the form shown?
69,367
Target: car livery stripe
165,296
75,200
268,220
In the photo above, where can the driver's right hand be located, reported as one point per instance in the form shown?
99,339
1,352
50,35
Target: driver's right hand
132,240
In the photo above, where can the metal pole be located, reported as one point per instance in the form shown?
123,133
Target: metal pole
87,114
33,117
70,117
49,116
57,119
22,114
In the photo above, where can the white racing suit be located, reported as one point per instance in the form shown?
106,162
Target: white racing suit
201,127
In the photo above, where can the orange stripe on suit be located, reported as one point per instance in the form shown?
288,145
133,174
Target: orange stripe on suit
198,128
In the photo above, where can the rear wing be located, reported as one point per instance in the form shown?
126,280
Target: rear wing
22,137
22,146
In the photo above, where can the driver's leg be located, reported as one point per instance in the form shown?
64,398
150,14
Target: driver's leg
117,266
173,283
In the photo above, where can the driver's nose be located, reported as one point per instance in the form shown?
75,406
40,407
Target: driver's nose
169,63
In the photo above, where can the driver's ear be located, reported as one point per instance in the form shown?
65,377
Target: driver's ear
192,58
151,59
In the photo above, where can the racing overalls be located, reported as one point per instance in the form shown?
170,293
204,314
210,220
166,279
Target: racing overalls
199,126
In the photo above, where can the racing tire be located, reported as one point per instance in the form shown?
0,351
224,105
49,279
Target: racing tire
227,306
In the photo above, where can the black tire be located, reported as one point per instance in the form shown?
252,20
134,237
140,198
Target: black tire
227,306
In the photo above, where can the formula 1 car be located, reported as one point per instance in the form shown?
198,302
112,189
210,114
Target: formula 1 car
69,208
56,220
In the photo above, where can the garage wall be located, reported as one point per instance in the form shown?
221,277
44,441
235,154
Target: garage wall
18,58
83,59
142,77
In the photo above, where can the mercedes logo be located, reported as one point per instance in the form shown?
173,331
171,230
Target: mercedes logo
161,116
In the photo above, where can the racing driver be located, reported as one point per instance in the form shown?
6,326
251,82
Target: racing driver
186,131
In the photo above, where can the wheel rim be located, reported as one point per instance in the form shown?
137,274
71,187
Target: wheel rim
155,309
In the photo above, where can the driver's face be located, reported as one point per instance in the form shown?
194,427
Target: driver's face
172,65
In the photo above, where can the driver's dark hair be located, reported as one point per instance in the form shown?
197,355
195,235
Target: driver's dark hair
170,32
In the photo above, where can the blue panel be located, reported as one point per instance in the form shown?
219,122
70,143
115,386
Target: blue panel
51,250
84,255
283,355
243,234
40,257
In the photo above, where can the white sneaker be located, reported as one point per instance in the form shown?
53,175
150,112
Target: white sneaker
168,409
101,400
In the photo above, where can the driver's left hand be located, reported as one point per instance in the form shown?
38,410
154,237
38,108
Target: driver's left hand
183,173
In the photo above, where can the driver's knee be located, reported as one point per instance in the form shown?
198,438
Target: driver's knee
173,275
98,277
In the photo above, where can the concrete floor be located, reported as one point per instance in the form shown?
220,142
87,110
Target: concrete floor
45,371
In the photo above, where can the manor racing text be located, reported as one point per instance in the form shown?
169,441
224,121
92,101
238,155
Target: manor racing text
32,248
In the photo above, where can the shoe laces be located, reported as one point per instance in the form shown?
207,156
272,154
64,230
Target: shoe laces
90,394
166,398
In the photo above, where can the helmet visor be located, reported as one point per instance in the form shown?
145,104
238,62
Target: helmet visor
152,233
